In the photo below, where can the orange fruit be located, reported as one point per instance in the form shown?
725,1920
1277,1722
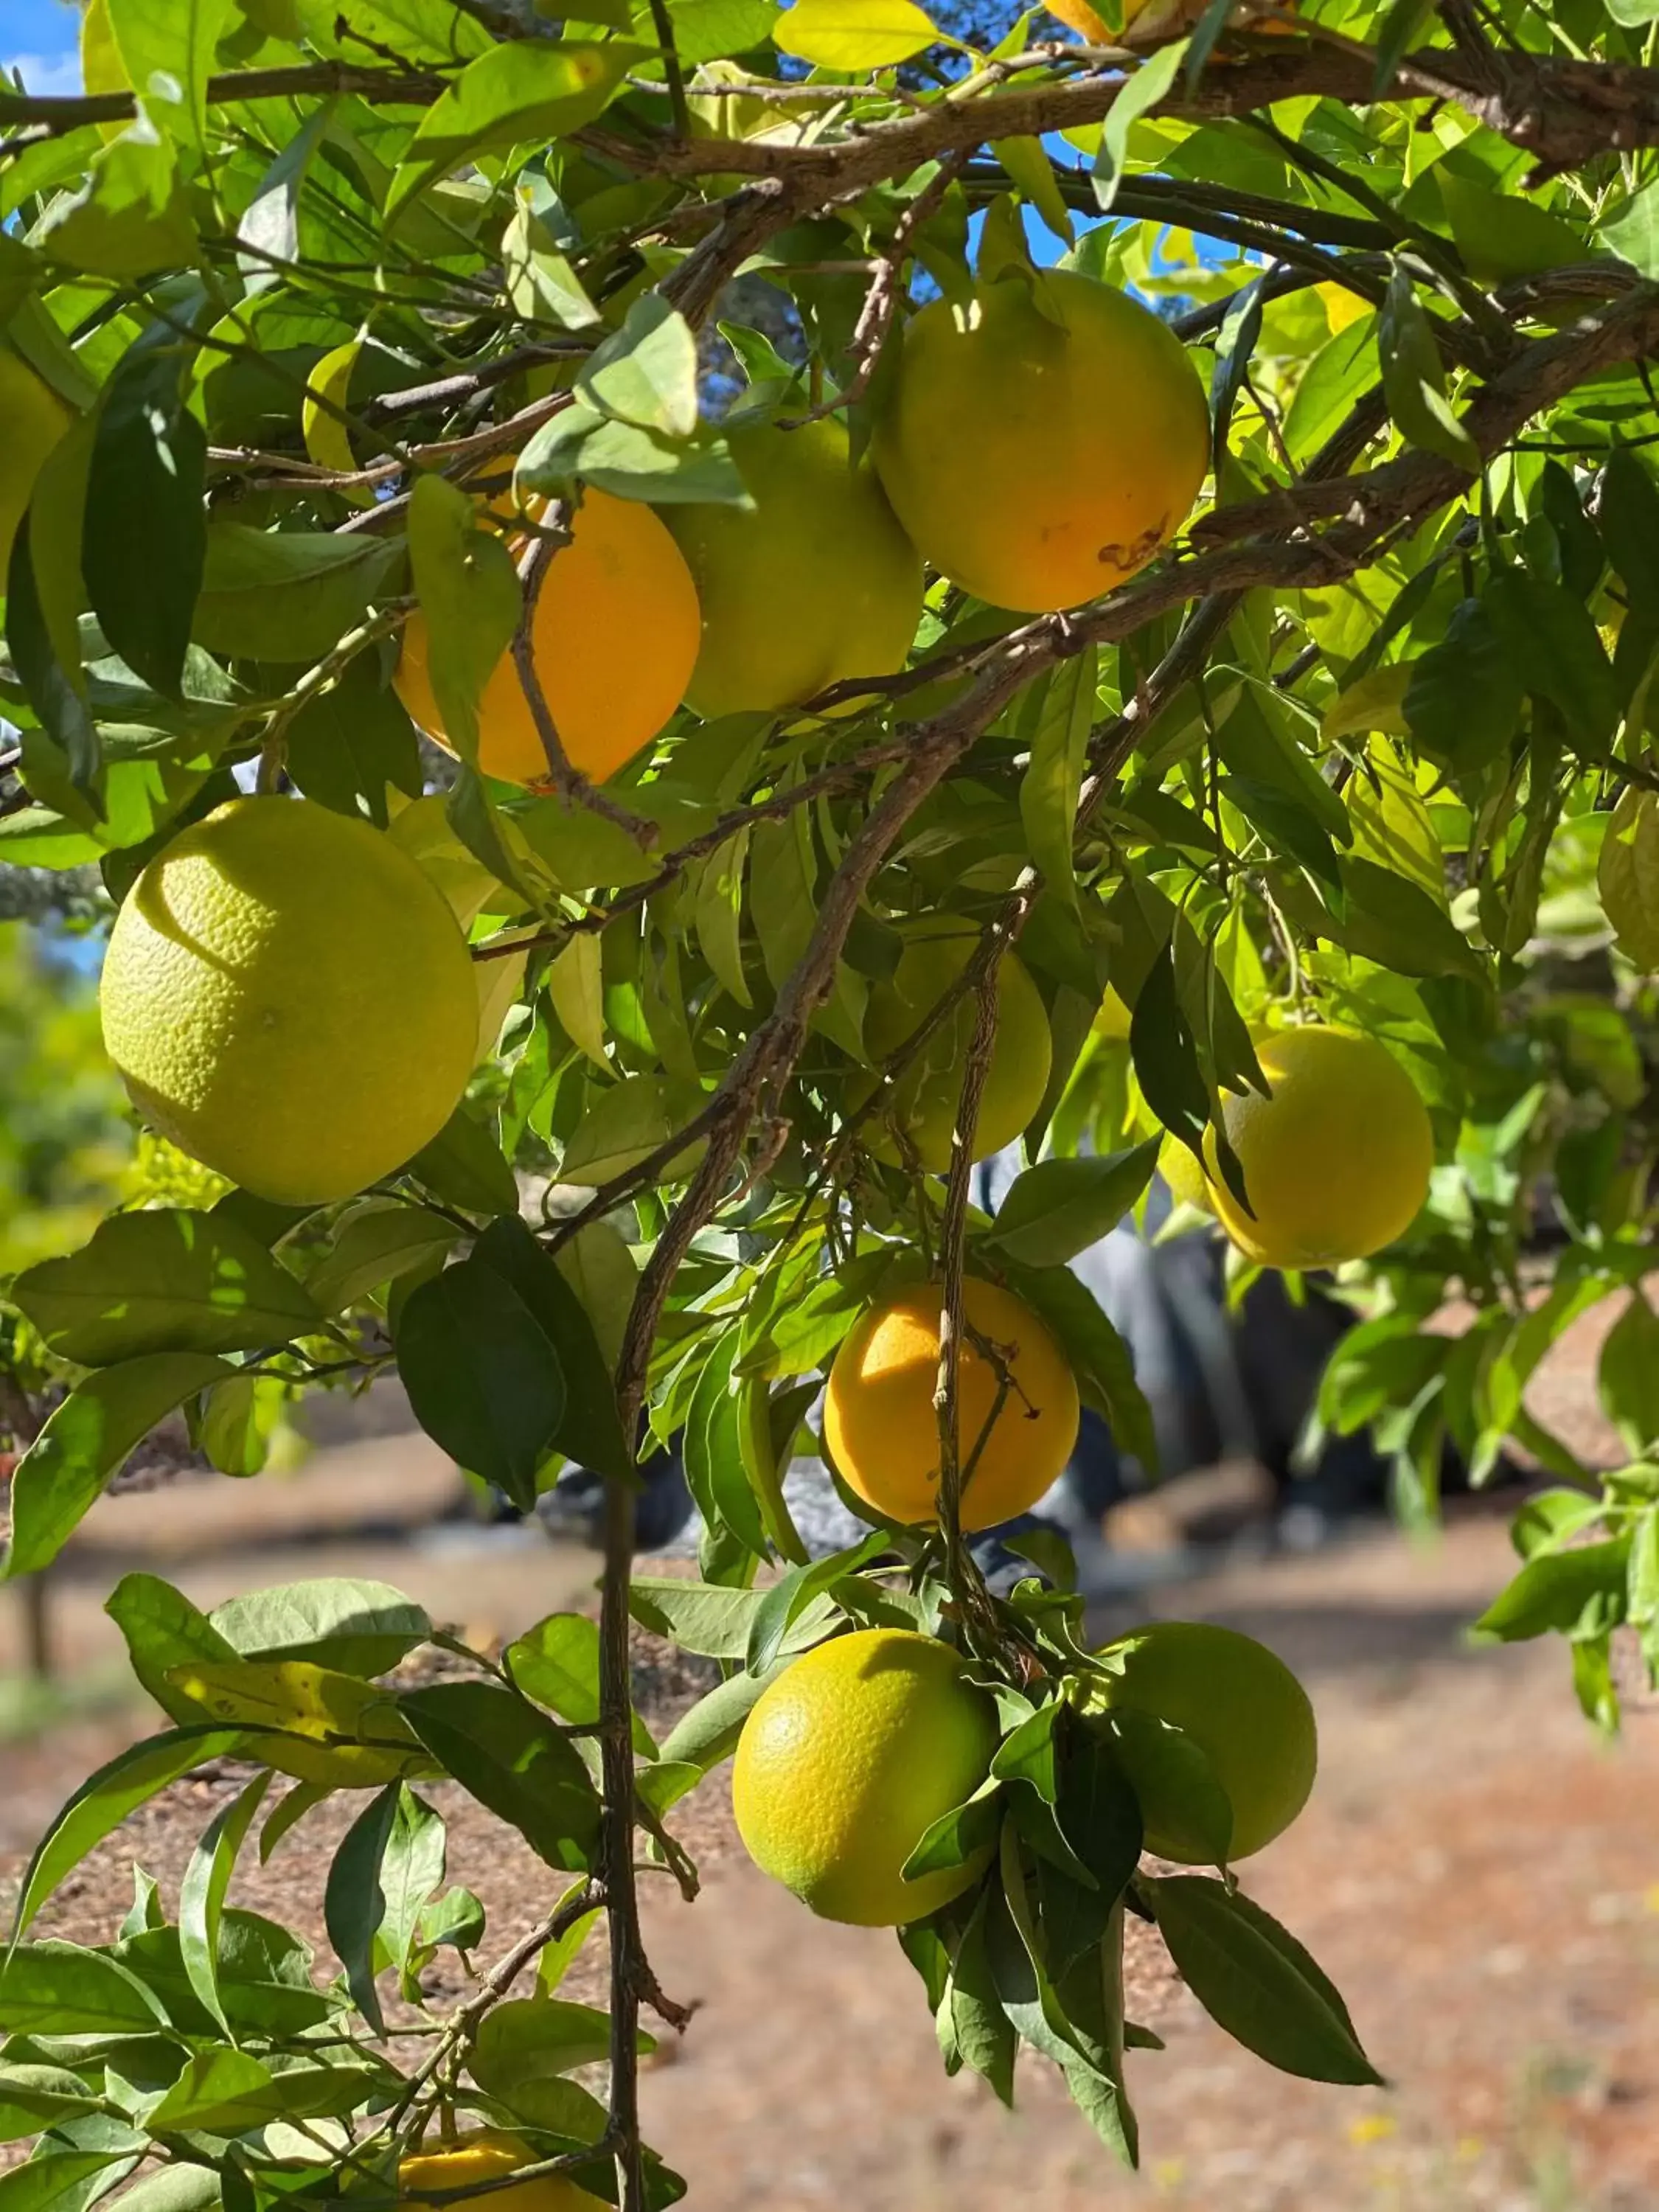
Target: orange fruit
615,640
1039,458
483,2154
882,1433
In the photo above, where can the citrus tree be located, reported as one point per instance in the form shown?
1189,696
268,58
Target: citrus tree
1096,592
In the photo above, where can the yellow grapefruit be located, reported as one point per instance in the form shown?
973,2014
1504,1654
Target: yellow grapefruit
847,1759
881,1430
1336,1161
290,1000
1036,461
484,2155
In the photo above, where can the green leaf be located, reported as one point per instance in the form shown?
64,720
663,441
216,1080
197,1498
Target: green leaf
1149,84
355,1626
1099,1355
166,1280
525,89
145,541
1500,234
1575,1593
1627,513
59,1988
538,276
1633,233
87,1439
388,1864
506,1754
1550,639
167,48
289,594
713,30
1287,825
715,1621
557,1662
647,372
1256,1981
469,592
482,1378
980,2031
33,2097
98,1807
1627,876
202,1895
1463,702
58,2181
1414,377
627,1122
1627,1376
62,760
1061,1207
588,1429
524,2048
131,215
852,36
790,1595
579,446
960,1835
1055,720
374,1243
464,1166
1175,1783
708,1733
1388,918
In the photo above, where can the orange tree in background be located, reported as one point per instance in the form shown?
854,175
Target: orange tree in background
907,700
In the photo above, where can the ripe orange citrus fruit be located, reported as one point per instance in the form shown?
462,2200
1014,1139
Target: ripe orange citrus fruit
815,582
616,638
35,418
482,2155
881,1430
847,1759
920,1112
1336,1161
1038,462
290,1000
1242,1707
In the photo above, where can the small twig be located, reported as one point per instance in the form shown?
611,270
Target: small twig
571,785
663,23
881,301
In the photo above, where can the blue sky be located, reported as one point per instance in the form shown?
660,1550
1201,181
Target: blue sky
40,37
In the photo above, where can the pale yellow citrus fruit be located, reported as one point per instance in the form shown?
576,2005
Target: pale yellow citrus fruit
1113,1021
920,1112
484,2155
33,418
616,637
290,1000
1039,462
1336,1161
814,583
881,1430
847,1759
1244,1710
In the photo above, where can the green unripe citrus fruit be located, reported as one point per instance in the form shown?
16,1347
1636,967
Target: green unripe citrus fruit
815,582
1244,1710
1039,458
847,1759
290,1000
921,1107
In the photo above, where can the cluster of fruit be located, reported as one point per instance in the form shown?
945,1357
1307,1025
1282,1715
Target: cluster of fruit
859,1746
992,459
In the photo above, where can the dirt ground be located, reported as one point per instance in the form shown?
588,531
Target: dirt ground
1478,1873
